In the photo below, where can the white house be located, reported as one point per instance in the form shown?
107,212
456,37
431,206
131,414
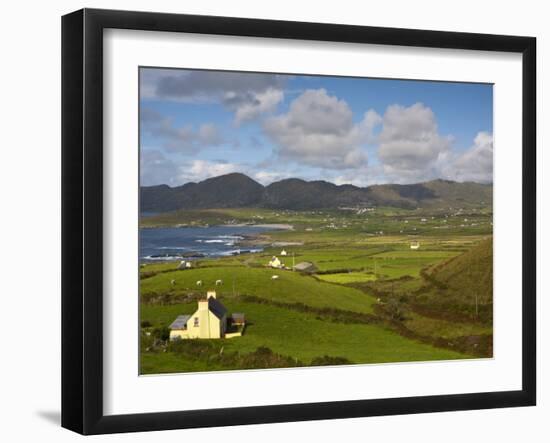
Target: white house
184,264
275,263
210,320
283,252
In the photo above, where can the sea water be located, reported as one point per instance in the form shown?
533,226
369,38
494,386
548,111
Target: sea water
177,243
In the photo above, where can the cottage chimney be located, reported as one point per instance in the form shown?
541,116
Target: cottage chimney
211,294
203,304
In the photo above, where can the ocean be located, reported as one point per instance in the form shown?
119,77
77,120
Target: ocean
158,244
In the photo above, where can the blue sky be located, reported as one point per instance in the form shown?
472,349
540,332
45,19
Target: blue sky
198,124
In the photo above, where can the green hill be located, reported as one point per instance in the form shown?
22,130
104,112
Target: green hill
240,191
463,284
433,194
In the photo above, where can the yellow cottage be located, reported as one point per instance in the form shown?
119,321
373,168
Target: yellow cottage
209,321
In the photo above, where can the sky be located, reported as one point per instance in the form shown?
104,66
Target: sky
197,124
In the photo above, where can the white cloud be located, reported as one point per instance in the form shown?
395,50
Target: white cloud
248,95
410,146
318,130
475,164
371,120
267,177
262,102
361,177
198,170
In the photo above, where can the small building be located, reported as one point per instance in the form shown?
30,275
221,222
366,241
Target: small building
210,320
275,263
283,252
180,323
305,266
185,264
237,319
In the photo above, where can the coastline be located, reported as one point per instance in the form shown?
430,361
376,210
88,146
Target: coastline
243,243
283,226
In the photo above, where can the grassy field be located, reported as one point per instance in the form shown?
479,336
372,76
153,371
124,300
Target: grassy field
290,287
299,335
347,277
372,299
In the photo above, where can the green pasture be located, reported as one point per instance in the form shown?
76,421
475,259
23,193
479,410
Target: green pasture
290,287
389,261
347,277
295,334
431,327
355,256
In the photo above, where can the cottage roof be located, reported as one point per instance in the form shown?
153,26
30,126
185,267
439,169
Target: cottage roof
216,307
180,322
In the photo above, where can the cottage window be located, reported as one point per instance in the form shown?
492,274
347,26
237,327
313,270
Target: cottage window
196,322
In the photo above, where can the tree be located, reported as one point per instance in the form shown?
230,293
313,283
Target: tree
162,333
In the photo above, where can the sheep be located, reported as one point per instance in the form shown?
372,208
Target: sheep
172,282
199,283
219,282
274,277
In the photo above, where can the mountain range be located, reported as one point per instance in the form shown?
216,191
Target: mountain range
238,190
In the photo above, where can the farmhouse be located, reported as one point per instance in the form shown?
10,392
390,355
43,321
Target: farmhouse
184,264
210,320
275,263
305,266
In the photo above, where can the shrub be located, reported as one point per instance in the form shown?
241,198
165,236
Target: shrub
192,347
161,333
264,357
395,309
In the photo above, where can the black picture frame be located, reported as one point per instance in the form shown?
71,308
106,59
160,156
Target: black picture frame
82,218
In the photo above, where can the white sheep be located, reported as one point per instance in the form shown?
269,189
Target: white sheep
172,282
219,282
199,282
274,277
